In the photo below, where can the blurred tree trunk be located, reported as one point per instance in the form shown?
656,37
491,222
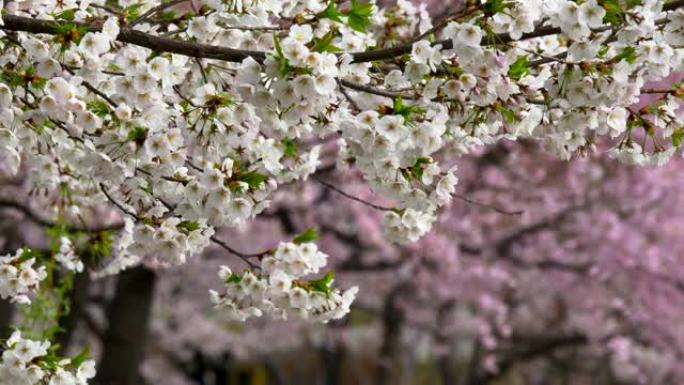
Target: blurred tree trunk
392,320
126,336
6,313
445,362
274,376
446,370
9,230
78,300
332,360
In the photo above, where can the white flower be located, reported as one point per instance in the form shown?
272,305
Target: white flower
392,127
469,35
94,44
67,256
421,52
159,67
299,298
325,84
280,282
110,28
86,371
301,33
591,14
617,121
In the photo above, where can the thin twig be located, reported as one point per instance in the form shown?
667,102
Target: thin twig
155,10
117,204
348,97
34,217
347,195
376,91
244,257
94,90
253,29
487,205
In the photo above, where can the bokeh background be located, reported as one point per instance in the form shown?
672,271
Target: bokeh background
540,272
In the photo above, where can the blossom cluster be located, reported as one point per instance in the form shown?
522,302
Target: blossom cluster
67,257
18,276
28,362
280,289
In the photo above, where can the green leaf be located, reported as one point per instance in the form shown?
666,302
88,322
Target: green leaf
308,235
284,67
508,114
331,12
404,110
323,285
358,17
233,278
519,68
628,54
99,108
132,12
189,226
362,9
168,16
80,358
27,254
253,179
496,6
358,23
98,246
324,44
67,15
278,47
614,11
137,135
290,147
417,168
678,137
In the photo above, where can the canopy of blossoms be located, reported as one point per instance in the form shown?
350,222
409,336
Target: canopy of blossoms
186,116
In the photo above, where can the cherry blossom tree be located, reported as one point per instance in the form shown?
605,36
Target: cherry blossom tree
139,133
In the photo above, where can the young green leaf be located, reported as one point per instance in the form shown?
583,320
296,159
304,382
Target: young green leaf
308,235
519,68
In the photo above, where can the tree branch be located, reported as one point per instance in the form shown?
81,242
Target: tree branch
132,36
206,51
34,217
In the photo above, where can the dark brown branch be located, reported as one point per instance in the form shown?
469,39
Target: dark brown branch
34,217
502,38
206,51
142,39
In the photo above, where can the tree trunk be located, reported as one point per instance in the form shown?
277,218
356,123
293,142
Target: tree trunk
78,301
392,320
6,308
6,313
332,361
274,376
446,370
125,340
